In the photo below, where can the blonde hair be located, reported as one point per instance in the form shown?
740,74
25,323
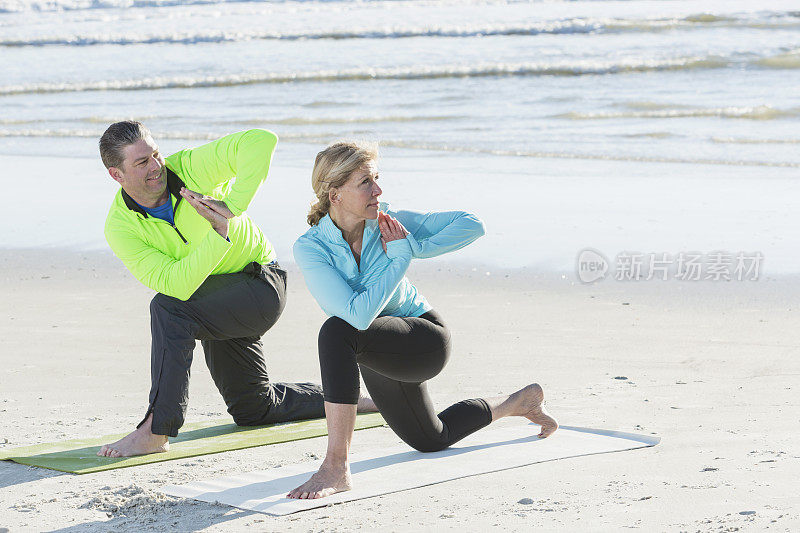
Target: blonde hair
333,168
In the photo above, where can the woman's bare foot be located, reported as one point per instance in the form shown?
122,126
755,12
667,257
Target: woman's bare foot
140,442
328,480
366,405
530,403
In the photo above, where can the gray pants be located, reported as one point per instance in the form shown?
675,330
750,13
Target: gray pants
228,313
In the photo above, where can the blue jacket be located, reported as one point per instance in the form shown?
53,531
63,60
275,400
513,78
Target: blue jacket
378,287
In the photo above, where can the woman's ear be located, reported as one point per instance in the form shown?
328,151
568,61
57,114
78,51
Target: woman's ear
333,196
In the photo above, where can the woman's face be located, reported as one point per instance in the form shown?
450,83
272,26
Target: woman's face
358,197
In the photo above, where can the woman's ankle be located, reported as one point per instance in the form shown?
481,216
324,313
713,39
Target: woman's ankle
336,461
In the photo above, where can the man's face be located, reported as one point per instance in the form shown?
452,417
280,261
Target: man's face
143,174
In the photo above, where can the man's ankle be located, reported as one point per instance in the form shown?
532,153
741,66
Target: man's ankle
158,436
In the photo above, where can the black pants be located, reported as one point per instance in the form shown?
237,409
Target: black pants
228,313
396,356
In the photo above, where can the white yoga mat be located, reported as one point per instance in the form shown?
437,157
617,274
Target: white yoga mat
400,468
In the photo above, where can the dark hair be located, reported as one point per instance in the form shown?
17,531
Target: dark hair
117,137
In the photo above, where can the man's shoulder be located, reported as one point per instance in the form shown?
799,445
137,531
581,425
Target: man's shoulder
177,164
120,218
174,162
116,208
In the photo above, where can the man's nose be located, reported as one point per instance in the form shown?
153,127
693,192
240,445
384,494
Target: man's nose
155,164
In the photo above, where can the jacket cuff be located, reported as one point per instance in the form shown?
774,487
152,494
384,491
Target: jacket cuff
235,210
217,242
399,249
416,247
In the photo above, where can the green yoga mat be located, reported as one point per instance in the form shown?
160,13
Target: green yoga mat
79,456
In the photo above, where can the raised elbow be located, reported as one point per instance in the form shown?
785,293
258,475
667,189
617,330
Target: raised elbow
478,227
263,136
181,295
176,290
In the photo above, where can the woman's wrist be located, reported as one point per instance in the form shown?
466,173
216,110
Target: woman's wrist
398,249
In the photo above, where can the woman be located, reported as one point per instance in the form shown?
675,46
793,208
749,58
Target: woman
354,260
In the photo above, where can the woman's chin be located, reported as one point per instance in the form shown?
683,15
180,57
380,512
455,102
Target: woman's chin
372,213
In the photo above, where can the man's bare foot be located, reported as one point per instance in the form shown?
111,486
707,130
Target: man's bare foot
140,442
328,480
531,406
366,405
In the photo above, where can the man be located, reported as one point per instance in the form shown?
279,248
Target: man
180,226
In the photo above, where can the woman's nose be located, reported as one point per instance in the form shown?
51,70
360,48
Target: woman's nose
376,190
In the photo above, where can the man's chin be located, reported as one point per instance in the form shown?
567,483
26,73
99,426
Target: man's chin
157,186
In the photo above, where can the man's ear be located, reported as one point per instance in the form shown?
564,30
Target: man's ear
116,174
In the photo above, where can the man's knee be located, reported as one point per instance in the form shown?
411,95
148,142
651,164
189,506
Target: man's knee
162,305
282,402
251,406
242,418
248,413
170,316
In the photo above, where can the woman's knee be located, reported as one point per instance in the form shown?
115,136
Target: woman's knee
433,358
422,366
426,444
334,331
438,360
337,361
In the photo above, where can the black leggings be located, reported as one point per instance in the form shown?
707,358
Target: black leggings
396,356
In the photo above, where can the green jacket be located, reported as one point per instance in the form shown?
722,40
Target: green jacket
175,260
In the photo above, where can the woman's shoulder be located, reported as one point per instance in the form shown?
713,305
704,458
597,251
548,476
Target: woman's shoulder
309,238
312,246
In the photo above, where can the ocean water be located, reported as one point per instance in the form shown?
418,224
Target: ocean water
708,88
699,81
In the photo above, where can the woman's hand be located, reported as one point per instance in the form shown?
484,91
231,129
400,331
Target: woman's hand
391,229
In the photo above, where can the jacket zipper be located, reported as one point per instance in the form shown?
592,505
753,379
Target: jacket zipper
174,214
173,227
179,234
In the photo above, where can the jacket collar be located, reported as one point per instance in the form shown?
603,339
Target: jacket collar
174,184
333,234
330,231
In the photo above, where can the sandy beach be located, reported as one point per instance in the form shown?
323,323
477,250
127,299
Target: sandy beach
642,127
710,367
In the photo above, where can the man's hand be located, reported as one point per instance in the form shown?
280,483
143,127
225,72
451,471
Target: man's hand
217,205
391,229
215,211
